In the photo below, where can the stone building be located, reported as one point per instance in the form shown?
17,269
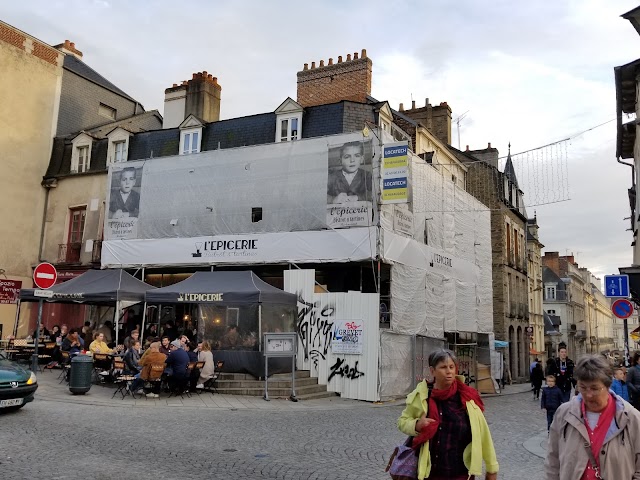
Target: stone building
30,83
500,192
536,288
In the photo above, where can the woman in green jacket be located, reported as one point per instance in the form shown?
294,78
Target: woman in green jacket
448,427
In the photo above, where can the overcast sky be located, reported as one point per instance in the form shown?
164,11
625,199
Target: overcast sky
528,73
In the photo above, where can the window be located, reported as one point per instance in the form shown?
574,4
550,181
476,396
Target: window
289,129
550,293
190,142
256,214
107,111
385,126
551,312
77,218
83,159
119,151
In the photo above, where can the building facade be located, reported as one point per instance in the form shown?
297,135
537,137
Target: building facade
30,83
536,288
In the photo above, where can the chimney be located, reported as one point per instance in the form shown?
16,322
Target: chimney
199,96
552,261
488,155
436,119
333,82
69,48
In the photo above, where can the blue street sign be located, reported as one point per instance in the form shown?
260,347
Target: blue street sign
616,286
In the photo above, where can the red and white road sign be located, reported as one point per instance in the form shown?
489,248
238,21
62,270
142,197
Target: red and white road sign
45,276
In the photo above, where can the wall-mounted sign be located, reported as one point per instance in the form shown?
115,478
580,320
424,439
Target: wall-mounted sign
348,337
9,291
402,220
395,172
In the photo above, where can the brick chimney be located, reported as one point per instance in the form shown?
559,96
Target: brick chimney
69,48
437,119
552,261
199,96
488,155
334,82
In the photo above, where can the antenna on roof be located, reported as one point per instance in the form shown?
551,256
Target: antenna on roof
457,120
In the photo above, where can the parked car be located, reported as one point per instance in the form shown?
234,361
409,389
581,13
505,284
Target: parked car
17,385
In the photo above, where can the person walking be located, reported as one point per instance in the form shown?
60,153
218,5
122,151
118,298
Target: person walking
447,424
537,375
619,386
551,399
633,381
597,434
562,369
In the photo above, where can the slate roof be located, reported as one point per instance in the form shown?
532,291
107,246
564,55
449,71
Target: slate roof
78,67
257,129
549,276
510,172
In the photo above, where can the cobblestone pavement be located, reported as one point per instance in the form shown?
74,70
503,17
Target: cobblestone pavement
49,439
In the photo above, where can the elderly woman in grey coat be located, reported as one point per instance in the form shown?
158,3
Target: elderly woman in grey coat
596,434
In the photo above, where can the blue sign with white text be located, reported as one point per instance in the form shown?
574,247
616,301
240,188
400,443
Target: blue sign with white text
616,286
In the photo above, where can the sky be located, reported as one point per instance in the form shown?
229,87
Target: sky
525,73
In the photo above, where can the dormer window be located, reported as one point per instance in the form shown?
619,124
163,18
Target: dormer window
190,142
191,135
81,153
117,151
288,121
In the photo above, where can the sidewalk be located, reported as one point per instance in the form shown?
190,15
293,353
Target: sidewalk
510,390
50,390
537,444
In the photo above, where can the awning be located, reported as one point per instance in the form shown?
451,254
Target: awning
98,287
500,344
222,288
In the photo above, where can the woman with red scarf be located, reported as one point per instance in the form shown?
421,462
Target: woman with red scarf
596,435
445,419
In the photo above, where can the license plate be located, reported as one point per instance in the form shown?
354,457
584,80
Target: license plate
14,402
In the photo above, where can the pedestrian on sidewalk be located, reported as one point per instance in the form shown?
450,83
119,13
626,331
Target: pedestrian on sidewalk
551,399
597,434
537,375
633,380
448,427
562,368
619,386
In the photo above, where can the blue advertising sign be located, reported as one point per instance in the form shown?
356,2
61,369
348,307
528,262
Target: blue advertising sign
616,286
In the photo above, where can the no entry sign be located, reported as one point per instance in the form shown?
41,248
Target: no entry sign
45,276
622,308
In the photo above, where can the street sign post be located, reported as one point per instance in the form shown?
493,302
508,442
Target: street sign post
44,276
616,286
622,308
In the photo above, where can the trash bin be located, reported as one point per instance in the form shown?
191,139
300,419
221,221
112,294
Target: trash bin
80,375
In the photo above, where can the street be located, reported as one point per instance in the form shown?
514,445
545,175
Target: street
53,439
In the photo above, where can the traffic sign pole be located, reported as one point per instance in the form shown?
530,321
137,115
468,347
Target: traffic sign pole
44,276
34,359
626,342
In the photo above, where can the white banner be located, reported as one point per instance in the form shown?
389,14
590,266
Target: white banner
407,251
348,337
402,220
343,245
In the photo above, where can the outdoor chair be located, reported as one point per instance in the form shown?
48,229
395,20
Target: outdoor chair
155,375
123,381
65,365
101,362
211,385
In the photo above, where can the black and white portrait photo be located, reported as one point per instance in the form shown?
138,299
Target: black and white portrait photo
349,178
124,201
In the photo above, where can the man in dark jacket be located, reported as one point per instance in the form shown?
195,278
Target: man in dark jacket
132,366
562,369
177,361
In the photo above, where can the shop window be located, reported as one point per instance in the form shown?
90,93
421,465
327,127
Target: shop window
256,214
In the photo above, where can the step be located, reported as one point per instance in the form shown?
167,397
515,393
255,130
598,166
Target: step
246,376
258,383
314,396
275,392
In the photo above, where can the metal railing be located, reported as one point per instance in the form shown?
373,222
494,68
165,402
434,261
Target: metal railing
69,252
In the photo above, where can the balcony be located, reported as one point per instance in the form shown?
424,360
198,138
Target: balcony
69,252
96,253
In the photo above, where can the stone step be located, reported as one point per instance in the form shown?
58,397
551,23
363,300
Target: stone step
247,376
274,392
313,396
275,383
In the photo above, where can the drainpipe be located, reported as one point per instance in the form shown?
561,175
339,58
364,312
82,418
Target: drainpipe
48,185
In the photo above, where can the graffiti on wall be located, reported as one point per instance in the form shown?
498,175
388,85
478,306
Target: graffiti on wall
314,329
342,369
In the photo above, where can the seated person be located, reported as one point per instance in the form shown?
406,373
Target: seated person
132,366
134,336
42,335
164,347
208,370
190,348
87,333
152,356
72,343
183,341
177,362
230,340
98,345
